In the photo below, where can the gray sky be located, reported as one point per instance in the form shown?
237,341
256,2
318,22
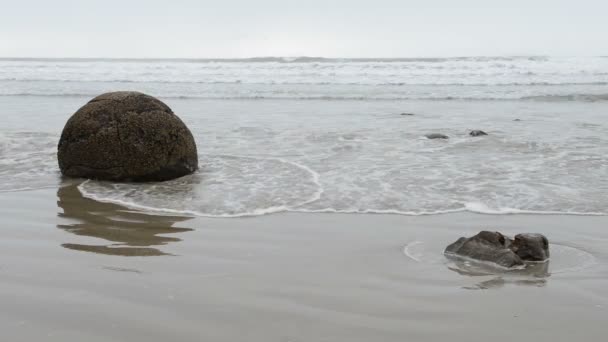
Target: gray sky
350,28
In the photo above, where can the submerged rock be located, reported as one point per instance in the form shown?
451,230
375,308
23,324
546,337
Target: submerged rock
496,248
436,136
407,114
126,136
477,133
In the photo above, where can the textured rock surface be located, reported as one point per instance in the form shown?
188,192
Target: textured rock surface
495,247
531,247
486,246
126,136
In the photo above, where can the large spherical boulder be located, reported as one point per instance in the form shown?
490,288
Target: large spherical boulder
126,136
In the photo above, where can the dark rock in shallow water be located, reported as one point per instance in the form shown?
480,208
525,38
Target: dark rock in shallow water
436,136
407,114
486,246
496,248
477,133
531,247
517,120
126,136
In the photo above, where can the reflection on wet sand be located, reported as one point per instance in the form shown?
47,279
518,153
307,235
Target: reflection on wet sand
128,233
535,274
499,282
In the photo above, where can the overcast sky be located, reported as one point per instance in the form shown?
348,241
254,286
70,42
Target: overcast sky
350,28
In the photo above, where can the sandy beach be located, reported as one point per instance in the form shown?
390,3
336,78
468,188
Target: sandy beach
290,171
74,269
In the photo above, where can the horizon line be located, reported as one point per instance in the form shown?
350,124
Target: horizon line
288,59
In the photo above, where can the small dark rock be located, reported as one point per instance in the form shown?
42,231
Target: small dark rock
517,120
407,114
495,247
477,133
436,136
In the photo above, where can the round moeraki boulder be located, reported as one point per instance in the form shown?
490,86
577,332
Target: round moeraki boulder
126,136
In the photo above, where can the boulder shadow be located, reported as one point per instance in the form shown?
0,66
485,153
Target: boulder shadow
126,232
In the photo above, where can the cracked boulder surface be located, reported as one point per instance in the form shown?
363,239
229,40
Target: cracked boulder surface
126,136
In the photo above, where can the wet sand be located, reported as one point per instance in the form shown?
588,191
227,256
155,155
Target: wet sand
72,269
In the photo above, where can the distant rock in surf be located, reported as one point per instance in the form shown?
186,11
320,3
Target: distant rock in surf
436,136
477,133
407,114
126,136
496,248
517,120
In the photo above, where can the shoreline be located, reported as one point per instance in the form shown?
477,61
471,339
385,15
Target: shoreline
152,211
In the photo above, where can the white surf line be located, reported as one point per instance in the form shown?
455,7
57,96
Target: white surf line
315,197
406,250
166,211
256,212
380,211
315,177
29,188
481,208
473,207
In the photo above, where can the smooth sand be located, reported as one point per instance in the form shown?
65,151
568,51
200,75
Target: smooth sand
72,269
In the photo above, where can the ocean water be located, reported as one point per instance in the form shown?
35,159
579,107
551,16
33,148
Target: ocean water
327,135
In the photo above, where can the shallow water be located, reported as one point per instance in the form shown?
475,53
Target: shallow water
327,135
265,156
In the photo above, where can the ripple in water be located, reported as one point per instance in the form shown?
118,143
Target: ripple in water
226,186
564,259
28,161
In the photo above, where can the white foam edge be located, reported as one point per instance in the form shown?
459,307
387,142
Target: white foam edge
379,211
29,188
257,212
406,250
154,211
295,209
315,177
473,207
480,208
